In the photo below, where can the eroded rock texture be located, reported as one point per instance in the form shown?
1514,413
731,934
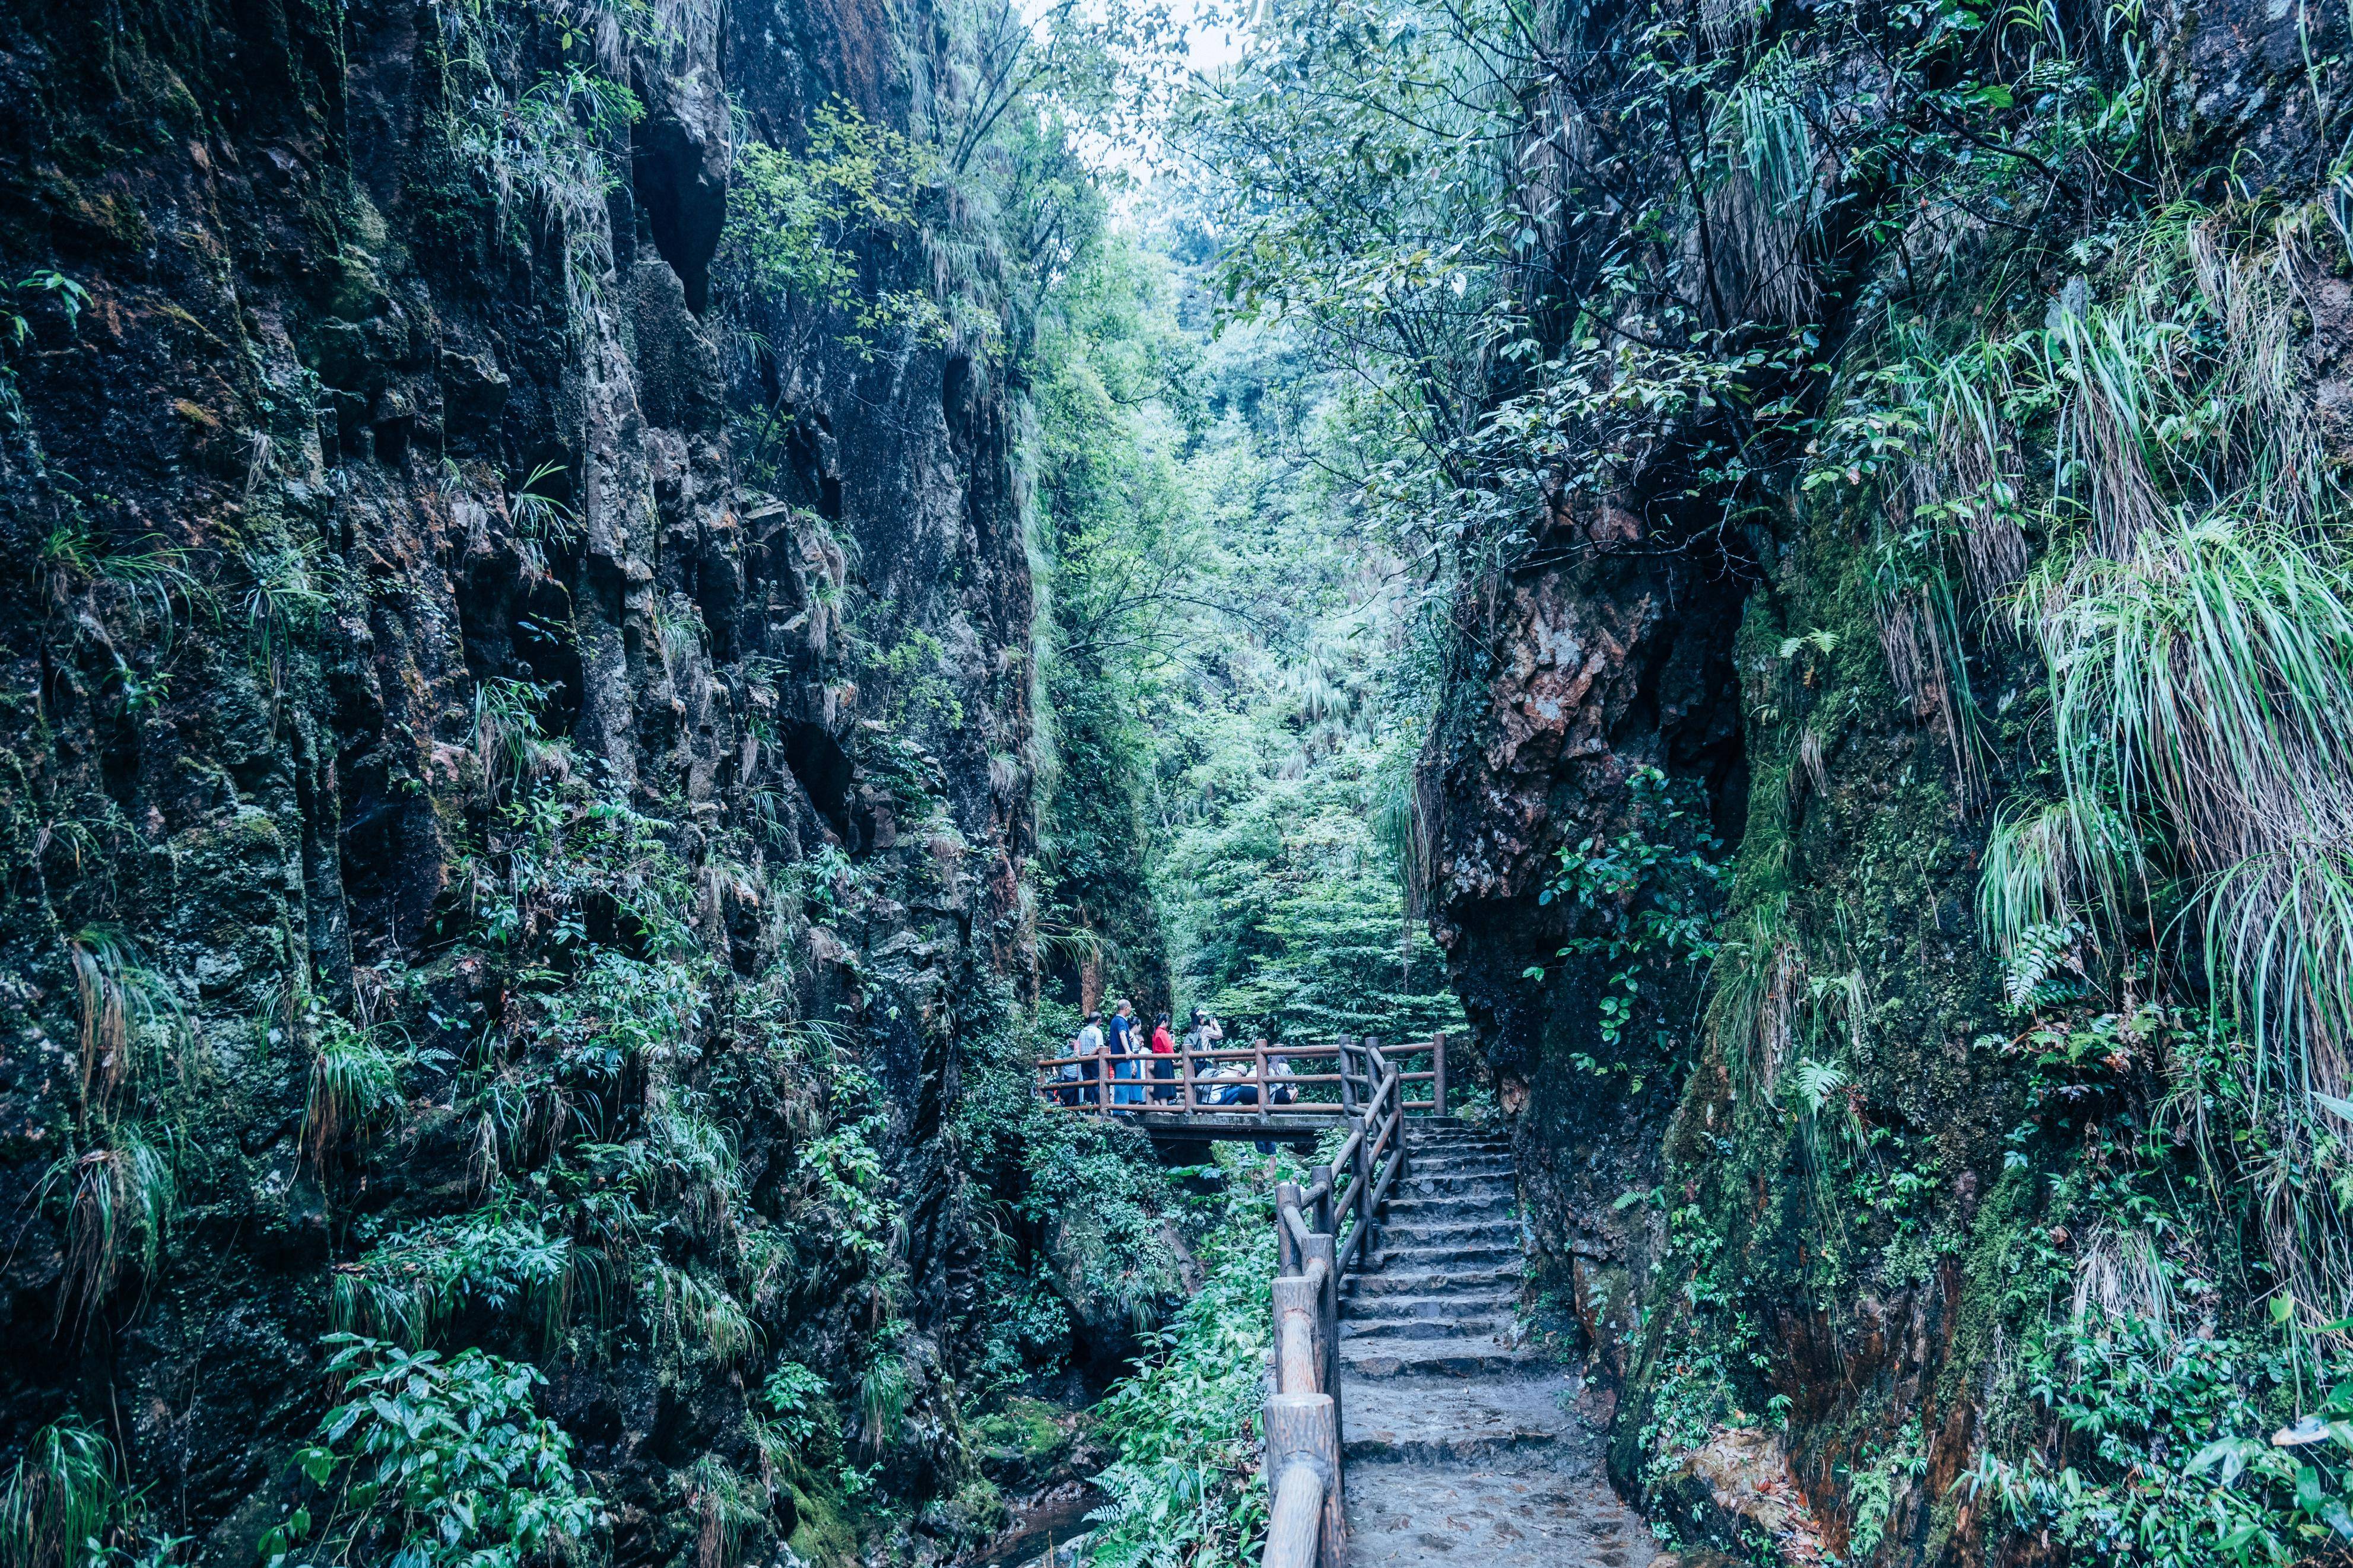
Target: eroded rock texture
1751,664
274,540
1612,657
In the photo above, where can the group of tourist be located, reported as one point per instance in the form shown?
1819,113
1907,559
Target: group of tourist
1117,1051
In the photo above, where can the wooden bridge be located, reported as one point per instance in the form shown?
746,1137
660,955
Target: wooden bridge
1256,1091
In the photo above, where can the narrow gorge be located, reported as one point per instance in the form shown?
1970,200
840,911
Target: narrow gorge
618,614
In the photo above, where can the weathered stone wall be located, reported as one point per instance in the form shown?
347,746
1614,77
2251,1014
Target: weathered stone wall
1754,671
257,494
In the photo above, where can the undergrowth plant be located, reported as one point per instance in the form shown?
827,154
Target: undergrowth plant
1644,901
2175,1454
435,1462
798,219
58,1498
1188,1484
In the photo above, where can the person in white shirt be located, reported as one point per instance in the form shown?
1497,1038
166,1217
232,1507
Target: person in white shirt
1091,1044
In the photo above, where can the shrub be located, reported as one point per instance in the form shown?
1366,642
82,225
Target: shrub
58,1498
434,1463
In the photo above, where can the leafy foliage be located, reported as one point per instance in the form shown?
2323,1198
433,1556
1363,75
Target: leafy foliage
2172,1460
435,1463
1187,1487
1652,890
793,221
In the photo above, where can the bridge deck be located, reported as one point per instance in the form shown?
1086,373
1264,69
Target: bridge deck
1258,1091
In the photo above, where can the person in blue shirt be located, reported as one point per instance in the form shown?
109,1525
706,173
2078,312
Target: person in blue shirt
1121,1047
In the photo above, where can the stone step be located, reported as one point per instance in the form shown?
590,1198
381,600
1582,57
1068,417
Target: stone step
1437,1231
1435,1307
1496,1167
1472,1326
1416,1171
1434,1357
1425,1282
1459,1209
1412,1184
1423,1157
1476,1192
1456,1422
1445,1259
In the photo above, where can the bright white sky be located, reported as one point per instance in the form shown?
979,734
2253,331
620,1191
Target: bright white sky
1211,42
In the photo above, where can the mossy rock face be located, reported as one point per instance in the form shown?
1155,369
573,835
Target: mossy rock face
245,741
821,1535
1024,1441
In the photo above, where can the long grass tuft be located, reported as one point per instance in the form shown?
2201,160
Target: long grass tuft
120,1197
119,1000
2069,861
354,1083
58,1498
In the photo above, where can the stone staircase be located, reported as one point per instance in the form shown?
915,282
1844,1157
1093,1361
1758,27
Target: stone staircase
1437,1294
1460,1447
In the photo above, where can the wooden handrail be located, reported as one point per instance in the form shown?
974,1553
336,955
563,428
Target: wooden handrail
1320,1229
1198,1081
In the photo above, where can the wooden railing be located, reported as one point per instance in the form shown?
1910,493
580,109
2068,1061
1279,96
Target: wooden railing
1320,1230
1267,1083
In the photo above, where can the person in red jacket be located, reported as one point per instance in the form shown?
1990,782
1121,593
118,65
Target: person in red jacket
1164,1063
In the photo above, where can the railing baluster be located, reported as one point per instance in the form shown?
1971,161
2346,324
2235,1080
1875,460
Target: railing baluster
1308,1523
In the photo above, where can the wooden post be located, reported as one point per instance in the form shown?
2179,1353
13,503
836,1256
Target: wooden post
1295,1524
1327,1311
1286,1253
1306,1428
1299,1355
1347,1084
1437,1075
1265,1089
1364,1144
1192,1100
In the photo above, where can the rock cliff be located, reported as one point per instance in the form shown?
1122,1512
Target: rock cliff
1759,660
432,573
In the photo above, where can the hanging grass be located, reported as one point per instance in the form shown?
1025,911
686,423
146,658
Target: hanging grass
2042,867
58,1498
120,1002
355,1084
120,1197
1754,988
2197,624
